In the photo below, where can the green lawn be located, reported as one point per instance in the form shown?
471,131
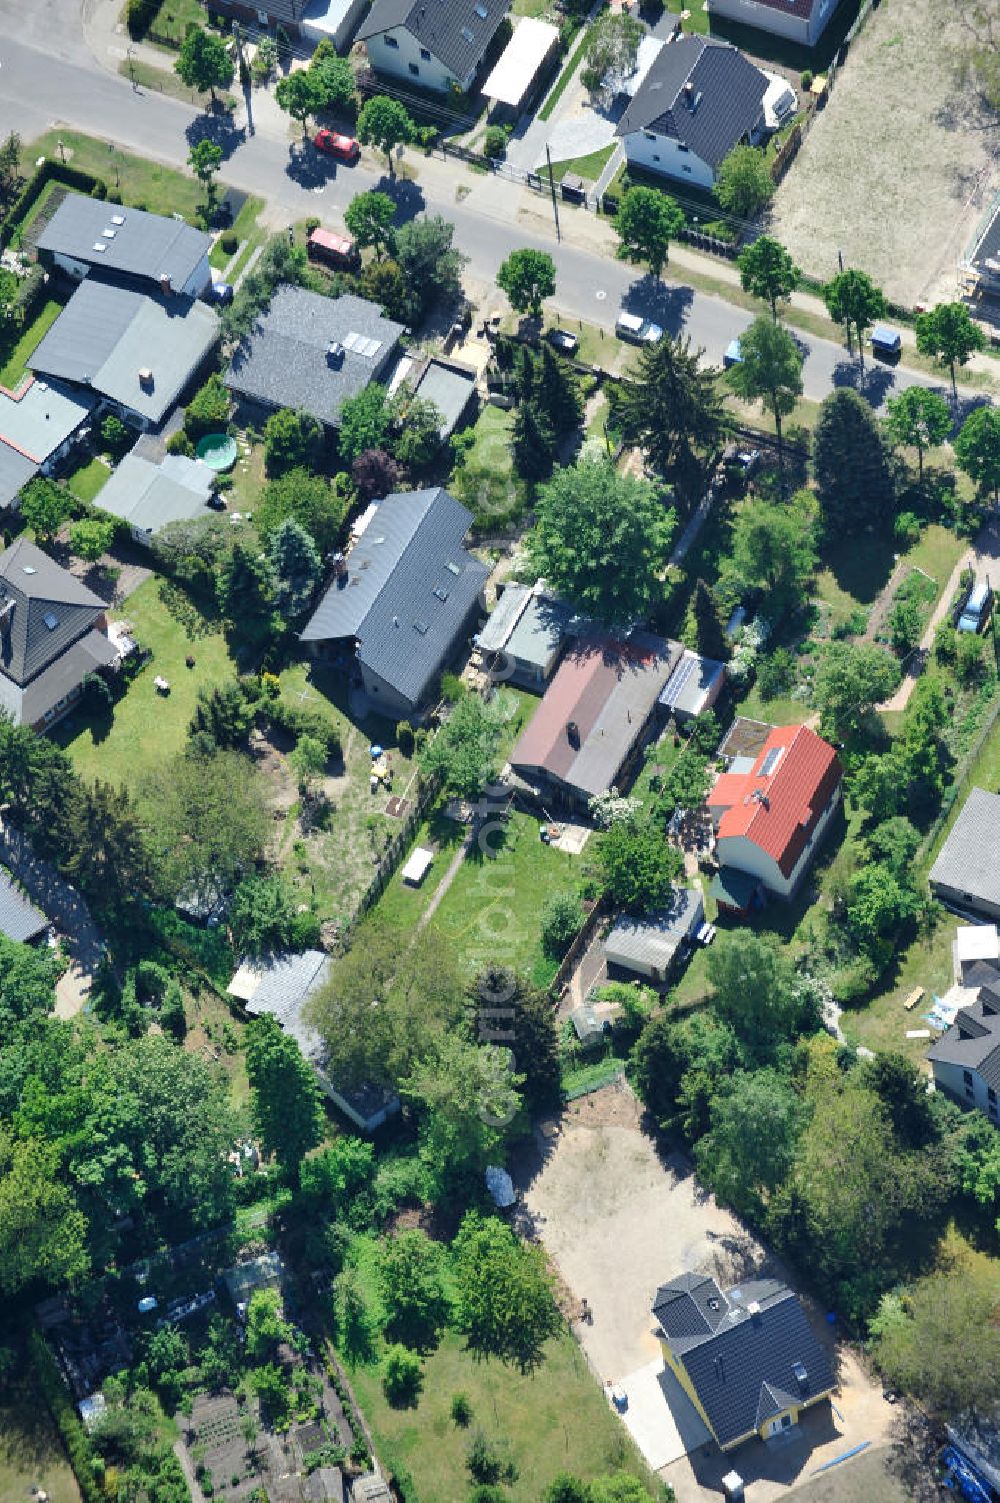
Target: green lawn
165,81
698,18
536,9
31,1455
589,167
571,65
484,478
142,183
556,1419
147,728
173,17
86,481
245,228
15,357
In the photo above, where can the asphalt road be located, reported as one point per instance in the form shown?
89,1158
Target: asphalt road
48,76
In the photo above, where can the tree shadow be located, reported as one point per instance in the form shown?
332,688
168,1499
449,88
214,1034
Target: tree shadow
308,167
874,382
863,570
666,304
221,129
406,195
962,408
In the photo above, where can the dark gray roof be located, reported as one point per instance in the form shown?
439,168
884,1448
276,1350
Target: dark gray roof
284,362
277,10
29,704
142,245
46,610
723,104
691,683
106,335
654,938
969,860
750,1353
286,984
15,471
973,1040
408,590
457,32
19,919
450,387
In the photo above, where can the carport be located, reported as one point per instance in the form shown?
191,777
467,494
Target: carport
520,64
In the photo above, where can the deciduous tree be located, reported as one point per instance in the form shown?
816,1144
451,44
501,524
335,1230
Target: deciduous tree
45,506
769,371
948,334
756,991
411,1273
977,449
385,124
527,277
91,538
300,95
307,499
463,753
852,678
744,184
774,550
205,159
370,218
364,422
207,823
506,1305
284,1096
750,1146
638,865
431,266
204,61
611,48
853,300
646,222
918,419
291,440
767,271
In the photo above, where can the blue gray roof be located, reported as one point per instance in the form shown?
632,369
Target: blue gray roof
968,861
106,336
44,608
450,388
654,938
286,983
41,416
702,93
407,591
148,496
135,242
286,360
19,919
690,686
15,472
750,1353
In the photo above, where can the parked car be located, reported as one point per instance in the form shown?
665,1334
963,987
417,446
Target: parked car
886,343
344,148
733,355
976,610
332,249
564,341
221,293
637,330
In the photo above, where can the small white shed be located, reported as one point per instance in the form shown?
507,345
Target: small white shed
417,866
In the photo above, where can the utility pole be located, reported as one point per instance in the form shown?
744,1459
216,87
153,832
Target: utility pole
552,190
130,54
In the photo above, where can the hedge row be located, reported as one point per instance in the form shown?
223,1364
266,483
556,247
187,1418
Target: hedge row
49,171
74,1437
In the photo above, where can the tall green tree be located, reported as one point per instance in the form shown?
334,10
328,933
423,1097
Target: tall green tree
431,266
515,1014
464,751
672,405
977,449
306,498
412,1276
506,1304
245,594
948,334
291,440
770,372
370,218
852,678
296,566
646,222
756,991
364,422
853,300
601,540
43,1232
532,441
204,62
205,159
557,391
853,475
334,79
385,124
107,854
300,95
207,823
45,506
767,271
527,277
750,1146
465,1096
284,1096
774,550
705,631
610,50
918,419
638,865
744,184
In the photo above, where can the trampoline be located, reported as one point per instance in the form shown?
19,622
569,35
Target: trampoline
218,451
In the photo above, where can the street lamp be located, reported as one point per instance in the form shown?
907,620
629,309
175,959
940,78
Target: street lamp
62,152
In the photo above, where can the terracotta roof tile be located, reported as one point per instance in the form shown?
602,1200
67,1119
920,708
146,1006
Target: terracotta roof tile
778,809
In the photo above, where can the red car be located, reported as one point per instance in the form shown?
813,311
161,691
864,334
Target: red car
345,148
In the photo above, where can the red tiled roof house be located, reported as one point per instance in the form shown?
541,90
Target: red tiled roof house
770,817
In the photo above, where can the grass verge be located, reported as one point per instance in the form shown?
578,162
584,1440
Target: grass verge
142,183
563,81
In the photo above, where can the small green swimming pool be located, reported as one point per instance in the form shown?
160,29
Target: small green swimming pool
218,451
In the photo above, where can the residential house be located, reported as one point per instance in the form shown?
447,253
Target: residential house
747,1358
974,945
799,21
594,717
149,495
698,100
693,687
524,636
52,636
282,985
771,810
311,353
434,44
966,874
148,252
653,944
310,20
39,423
403,600
136,350
19,918
965,1061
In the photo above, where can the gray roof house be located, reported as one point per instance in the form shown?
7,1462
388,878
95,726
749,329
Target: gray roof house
19,919
693,687
138,350
965,1061
313,20
403,599
801,21
699,99
148,496
150,252
39,422
524,635
51,636
312,352
441,45
650,945
748,1357
282,985
966,874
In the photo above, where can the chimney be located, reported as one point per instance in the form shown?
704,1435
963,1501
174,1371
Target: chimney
6,618
165,286
573,734
753,1310
145,378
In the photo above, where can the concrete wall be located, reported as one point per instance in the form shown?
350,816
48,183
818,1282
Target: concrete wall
404,61
339,25
666,156
76,269
951,1080
959,899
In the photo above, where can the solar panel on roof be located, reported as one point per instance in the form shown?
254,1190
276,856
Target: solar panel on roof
771,761
453,569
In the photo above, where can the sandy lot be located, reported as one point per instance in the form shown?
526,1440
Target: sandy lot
617,1221
896,170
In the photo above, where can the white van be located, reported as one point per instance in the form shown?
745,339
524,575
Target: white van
637,330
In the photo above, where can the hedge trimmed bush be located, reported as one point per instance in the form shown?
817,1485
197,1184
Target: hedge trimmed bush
49,171
72,1433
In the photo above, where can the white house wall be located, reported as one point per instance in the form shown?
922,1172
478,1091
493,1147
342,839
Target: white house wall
957,898
951,1079
200,279
664,155
740,852
76,269
404,61
767,18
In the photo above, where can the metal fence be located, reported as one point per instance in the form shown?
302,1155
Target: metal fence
962,774
391,857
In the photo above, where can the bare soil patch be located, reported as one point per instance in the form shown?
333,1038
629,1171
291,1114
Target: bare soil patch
898,167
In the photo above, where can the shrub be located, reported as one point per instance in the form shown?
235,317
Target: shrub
970,664
208,410
461,1410
452,688
776,673
487,1462
230,242
806,79
100,189
907,528
115,434
405,738
402,1377
179,443
561,916
495,143
312,223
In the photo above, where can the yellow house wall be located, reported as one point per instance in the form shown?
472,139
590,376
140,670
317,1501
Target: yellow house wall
680,1373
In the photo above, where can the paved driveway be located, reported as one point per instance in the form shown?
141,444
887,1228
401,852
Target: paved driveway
63,905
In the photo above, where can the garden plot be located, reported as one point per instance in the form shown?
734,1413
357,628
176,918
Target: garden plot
896,170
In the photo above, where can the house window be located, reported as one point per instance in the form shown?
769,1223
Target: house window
682,147
649,135
425,54
967,1076
991,1095
390,41
656,156
786,1420
414,70
685,167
